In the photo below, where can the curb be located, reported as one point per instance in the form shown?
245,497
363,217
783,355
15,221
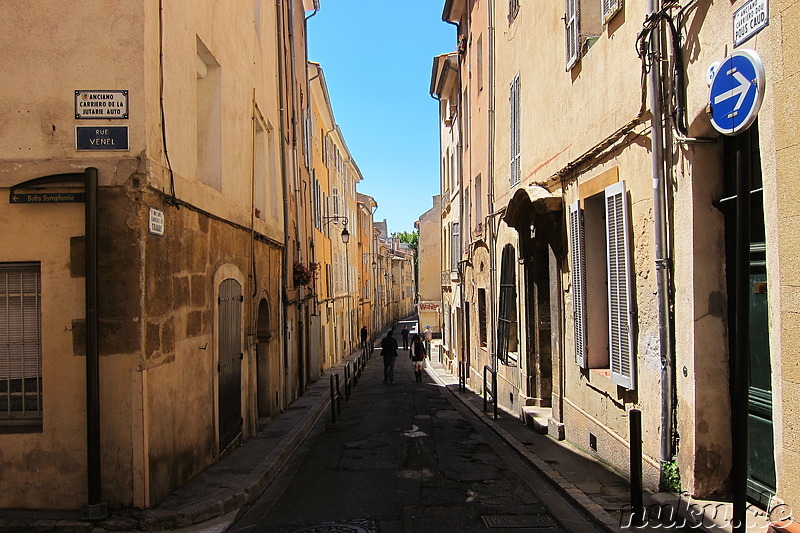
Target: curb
243,492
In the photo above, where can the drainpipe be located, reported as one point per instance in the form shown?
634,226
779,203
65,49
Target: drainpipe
663,261
284,268
491,234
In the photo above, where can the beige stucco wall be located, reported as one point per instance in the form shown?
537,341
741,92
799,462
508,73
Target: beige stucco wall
781,204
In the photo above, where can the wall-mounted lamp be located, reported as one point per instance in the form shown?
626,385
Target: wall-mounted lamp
345,233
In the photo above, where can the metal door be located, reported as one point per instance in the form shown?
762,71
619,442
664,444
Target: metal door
229,369
761,480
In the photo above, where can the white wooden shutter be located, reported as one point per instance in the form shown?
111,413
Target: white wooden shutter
514,108
20,322
577,253
572,30
620,277
335,199
610,8
455,246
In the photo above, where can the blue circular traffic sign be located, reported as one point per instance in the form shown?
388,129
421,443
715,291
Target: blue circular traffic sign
736,92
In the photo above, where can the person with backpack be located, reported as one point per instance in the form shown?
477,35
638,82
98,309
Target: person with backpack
418,354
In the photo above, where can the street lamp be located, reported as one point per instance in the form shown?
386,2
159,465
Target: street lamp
345,239
345,234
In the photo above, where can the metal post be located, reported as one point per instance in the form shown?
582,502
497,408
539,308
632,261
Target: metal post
95,509
741,367
494,391
347,381
484,387
338,395
637,495
333,402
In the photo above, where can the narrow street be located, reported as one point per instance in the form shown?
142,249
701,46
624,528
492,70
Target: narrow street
406,456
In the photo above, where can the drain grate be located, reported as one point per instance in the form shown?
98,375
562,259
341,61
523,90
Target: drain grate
345,526
541,521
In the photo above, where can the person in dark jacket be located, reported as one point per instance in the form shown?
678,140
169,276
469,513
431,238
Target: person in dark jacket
389,353
404,333
364,335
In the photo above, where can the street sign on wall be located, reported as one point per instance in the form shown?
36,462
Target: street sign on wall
101,104
750,19
47,198
736,92
156,221
101,137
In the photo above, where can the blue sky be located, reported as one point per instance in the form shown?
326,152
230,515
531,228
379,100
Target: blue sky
377,59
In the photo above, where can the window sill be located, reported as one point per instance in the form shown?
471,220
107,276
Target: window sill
599,379
32,426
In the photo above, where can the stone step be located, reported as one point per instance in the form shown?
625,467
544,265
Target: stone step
537,417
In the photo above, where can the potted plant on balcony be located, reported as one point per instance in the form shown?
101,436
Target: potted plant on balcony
303,275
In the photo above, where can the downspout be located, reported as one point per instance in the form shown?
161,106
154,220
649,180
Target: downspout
284,267
663,261
491,234
460,266
441,178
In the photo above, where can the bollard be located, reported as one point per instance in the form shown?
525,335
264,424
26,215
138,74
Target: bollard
338,395
333,403
637,495
347,382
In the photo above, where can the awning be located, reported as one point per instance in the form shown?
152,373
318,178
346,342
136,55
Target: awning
528,202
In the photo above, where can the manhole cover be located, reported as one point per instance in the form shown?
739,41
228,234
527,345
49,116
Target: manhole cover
525,520
346,526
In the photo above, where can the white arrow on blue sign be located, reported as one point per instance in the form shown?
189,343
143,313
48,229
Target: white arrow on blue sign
736,92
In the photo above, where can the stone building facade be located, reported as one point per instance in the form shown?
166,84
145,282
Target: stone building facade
607,249
190,246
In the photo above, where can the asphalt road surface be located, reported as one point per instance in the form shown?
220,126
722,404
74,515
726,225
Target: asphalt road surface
406,457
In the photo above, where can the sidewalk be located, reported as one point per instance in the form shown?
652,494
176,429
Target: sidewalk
221,488
601,493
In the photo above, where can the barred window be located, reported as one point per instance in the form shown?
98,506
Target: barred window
20,344
507,316
482,316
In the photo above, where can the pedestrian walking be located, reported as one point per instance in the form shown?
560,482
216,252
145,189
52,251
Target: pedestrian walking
418,354
389,353
364,335
428,336
404,333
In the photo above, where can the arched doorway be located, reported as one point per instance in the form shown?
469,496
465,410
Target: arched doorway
229,368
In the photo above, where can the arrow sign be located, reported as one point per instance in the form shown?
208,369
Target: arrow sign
740,91
47,198
736,92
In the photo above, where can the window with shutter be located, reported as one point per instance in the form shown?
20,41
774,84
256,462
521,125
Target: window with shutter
335,202
20,344
610,8
619,286
572,30
577,266
455,243
514,108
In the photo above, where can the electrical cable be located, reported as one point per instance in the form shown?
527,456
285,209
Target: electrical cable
172,201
